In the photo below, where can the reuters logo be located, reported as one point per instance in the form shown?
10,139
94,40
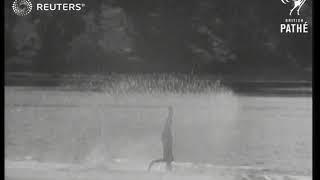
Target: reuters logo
22,7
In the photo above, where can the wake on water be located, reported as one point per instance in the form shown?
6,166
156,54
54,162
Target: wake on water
156,94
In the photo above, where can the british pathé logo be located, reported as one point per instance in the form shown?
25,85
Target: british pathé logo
22,7
294,25
296,5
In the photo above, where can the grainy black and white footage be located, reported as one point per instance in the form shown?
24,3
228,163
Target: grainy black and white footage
158,89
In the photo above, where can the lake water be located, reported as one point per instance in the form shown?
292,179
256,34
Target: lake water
222,128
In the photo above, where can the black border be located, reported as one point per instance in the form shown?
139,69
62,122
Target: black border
2,89
315,90
315,95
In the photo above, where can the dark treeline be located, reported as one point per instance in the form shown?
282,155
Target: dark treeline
191,36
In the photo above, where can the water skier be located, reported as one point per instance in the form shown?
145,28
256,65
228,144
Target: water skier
166,140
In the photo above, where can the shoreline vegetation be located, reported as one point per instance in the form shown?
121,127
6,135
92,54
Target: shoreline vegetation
116,83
